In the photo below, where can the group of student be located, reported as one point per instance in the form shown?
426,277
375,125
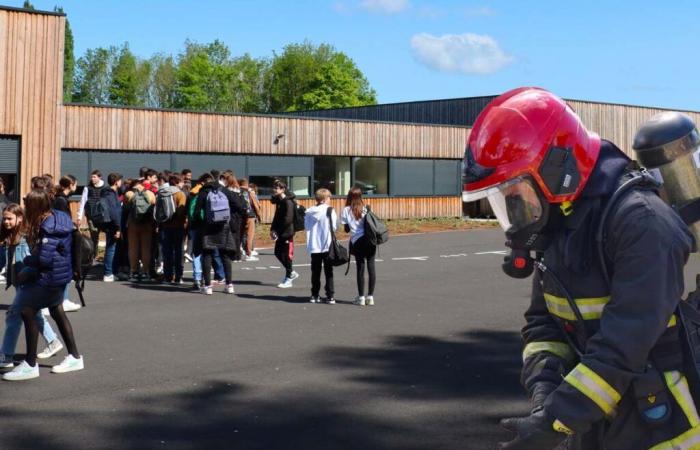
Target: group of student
158,216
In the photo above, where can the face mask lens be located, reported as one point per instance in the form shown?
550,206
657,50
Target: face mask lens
516,204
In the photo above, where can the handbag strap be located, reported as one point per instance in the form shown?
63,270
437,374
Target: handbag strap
329,212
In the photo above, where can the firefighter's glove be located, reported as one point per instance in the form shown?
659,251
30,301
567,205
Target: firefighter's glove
540,392
534,432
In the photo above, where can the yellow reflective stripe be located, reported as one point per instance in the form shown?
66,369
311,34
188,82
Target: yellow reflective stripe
690,440
591,308
594,387
561,428
672,322
678,385
560,349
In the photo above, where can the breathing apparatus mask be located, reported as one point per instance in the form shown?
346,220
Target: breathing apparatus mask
524,215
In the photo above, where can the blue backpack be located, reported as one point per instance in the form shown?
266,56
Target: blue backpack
216,208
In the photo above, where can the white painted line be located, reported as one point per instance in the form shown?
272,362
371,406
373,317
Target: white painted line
412,258
458,255
275,267
500,252
261,268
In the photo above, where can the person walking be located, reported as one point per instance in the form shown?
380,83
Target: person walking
43,278
13,252
318,222
251,215
88,203
352,218
282,231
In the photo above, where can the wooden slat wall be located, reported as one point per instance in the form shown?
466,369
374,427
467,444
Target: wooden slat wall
104,128
618,123
31,88
390,208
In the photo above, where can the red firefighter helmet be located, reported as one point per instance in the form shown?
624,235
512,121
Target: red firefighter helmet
528,139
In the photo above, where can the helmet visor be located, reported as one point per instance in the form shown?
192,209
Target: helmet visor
514,202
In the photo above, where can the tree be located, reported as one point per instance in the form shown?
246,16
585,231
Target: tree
93,76
27,5
247,84
161,88
68,60
127,86
301,69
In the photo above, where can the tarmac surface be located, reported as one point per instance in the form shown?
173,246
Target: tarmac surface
433,365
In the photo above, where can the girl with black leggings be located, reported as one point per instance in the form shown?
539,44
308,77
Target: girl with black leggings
353,218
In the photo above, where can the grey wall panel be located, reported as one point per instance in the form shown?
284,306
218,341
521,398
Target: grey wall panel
410,176
448,178
128,163
9,155
201,163
75,162
280,165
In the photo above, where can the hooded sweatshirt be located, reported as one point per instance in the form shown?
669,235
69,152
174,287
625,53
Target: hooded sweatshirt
318,233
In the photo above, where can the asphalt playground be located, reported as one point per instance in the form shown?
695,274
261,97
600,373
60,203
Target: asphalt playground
433,365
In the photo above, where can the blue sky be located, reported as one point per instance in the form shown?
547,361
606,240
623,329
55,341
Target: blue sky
635,52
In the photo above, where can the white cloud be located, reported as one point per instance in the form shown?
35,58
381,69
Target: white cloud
385,6
466,53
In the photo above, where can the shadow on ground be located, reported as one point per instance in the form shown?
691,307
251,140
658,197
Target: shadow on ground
447,381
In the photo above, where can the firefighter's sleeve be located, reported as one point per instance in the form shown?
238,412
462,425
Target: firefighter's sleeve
648,250
547,356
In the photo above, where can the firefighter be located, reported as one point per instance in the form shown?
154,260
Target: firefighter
603,358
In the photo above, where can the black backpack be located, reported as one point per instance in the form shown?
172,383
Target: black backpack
299,213
83,253
376,231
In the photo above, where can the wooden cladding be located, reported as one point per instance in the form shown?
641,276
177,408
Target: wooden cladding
618,123
389,208
31,87
104,128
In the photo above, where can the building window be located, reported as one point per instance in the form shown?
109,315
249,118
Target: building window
372,175
298,185
332,173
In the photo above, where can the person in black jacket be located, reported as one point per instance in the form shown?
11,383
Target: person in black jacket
282,231
66,186
602,356
222,237
112,229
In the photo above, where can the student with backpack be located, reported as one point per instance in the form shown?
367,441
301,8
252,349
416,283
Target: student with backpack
282,230
89,201
320,222
353,217
14,250
213,209
43,278
140,225
171,217
111,222
237,205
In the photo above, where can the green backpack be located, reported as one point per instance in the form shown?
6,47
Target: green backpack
141,208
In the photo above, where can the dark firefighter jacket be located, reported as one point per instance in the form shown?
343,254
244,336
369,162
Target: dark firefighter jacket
631,351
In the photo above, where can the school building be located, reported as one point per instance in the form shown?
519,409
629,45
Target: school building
406,157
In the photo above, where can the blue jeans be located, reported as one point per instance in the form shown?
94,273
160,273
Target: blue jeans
110,250
171,242
13,325
217,263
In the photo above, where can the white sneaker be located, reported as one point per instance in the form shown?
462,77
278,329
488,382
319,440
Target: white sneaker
287,283
252,258
3,280
22,372
369,300
314,300
69,364
330,301
108,278
45,311
253,253
206,290
229,289
188,257
51,349
69,306
359,300
6,362
294,276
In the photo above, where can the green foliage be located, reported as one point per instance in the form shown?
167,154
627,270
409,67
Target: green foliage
68,60
205,77
27,5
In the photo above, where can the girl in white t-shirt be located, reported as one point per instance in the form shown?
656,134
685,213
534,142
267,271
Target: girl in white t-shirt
353,217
